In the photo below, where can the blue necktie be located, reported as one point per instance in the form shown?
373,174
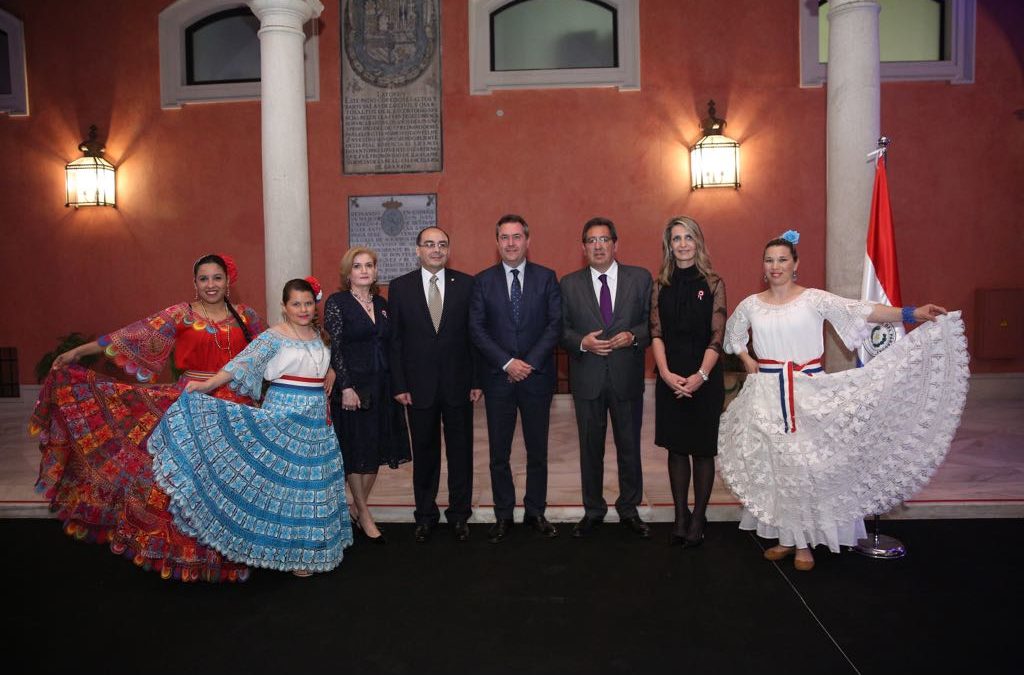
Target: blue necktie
606,301
516,297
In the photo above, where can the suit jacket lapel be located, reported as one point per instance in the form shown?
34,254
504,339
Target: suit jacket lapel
591,297
421,300
622,295
449,288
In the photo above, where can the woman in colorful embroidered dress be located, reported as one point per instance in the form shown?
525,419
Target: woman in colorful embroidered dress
370,424
93,469
811,454
266,486
687,328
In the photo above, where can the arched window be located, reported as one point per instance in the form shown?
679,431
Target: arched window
918,40
210,51
13,84
553,43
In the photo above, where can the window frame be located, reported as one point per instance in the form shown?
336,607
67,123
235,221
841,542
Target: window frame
15,104
175,92
958,68
483,80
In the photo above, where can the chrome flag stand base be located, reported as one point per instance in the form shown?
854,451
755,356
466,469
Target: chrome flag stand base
880,545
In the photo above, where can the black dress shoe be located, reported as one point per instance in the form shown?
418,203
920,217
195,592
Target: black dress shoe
461,530
422,533
585,526
638,526
379,540
500,530
540,525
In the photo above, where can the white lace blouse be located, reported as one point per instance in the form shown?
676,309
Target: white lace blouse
793,332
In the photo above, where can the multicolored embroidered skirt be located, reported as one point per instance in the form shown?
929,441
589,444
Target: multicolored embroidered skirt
99,478
265,487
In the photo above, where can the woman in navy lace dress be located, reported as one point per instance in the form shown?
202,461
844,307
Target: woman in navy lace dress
370,424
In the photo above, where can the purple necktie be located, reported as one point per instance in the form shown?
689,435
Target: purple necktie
606,301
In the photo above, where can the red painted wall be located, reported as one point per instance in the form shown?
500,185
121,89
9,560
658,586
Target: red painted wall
189,180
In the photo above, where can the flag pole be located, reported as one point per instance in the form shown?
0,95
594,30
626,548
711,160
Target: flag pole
878,545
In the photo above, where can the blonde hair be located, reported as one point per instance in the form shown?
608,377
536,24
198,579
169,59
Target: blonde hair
349,259
701,258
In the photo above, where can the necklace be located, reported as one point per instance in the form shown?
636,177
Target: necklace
366,303
317,360
214,327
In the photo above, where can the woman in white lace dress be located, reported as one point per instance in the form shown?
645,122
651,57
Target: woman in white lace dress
809,454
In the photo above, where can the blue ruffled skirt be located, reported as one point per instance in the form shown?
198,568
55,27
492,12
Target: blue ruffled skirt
264,486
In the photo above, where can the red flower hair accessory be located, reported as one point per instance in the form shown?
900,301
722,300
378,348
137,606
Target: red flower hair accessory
232,267
318,293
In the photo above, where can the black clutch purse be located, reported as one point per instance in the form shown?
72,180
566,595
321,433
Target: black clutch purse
365,395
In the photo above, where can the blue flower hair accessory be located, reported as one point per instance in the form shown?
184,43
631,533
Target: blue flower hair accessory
792,236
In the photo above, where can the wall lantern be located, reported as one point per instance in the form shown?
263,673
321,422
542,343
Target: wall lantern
715,160
90,179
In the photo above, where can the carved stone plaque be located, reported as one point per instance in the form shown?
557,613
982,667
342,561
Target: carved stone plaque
391,86
389,226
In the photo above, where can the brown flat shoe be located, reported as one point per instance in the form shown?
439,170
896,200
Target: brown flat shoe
779,552
803,565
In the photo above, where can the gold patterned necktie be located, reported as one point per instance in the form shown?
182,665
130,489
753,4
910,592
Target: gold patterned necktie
434,302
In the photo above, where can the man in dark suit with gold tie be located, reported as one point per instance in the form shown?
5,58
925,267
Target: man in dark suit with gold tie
605,312
433,371
514,320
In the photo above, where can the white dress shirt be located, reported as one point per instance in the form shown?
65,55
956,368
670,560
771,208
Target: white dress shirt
613,282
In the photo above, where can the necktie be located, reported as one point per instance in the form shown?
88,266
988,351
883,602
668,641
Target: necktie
516,297
434,302
606,301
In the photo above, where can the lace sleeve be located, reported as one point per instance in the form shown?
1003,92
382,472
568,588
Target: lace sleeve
737,330
334,323
248,367
848,317
655,314
142,348
718,316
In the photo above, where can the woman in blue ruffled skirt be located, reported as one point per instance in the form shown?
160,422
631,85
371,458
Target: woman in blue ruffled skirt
265,487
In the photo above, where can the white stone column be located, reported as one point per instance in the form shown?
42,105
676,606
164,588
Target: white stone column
283,130
853,130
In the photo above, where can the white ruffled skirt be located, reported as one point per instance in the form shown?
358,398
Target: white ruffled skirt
866,438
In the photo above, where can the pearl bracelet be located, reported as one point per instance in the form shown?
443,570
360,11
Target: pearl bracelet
703,375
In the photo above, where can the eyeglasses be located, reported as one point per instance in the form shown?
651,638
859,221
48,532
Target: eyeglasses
439,245
594,240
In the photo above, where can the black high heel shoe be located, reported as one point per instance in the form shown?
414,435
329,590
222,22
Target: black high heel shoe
693,541
680,539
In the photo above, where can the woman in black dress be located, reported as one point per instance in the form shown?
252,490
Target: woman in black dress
687,326
370,424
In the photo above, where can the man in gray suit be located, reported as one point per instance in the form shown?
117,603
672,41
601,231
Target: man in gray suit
605,310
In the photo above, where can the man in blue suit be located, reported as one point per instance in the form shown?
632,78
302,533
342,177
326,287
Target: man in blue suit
515,319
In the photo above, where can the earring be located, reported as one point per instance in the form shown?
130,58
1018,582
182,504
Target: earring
766,278
794,276
227,292
197,293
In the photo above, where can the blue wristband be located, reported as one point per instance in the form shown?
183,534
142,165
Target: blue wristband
908,314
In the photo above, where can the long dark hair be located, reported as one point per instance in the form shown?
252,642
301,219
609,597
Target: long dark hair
303,286
217,260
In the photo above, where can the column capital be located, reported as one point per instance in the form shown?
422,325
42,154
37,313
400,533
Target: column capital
837,7
293,13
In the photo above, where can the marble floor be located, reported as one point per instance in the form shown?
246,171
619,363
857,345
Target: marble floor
982,477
